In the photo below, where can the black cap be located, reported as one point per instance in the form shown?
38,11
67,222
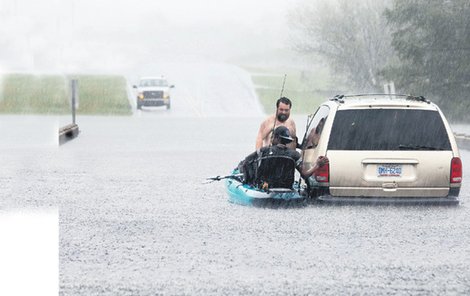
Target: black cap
283,133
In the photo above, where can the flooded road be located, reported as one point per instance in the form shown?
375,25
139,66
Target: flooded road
135,219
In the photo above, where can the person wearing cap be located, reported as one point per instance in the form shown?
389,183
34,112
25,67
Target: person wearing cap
281,118
253,170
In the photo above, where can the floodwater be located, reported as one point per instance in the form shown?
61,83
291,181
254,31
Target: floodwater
136,218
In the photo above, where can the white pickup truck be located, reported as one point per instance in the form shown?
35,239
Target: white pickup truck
153,91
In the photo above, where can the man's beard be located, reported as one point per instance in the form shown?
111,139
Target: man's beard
282,117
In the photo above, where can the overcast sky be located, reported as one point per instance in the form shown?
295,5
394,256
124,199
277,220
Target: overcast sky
66,34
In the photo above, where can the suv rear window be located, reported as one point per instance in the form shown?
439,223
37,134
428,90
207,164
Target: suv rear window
388,129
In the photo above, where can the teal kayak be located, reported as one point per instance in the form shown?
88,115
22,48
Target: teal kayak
246,194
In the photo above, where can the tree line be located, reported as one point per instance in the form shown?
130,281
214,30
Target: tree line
422,46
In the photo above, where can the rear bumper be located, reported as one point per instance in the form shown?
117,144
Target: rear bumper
427,192
325,197
396,201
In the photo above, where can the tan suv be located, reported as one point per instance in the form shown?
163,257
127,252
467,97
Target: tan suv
382,148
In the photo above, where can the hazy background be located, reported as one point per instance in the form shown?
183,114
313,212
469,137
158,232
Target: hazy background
330,47
106,36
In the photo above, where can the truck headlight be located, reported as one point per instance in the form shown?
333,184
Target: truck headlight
140,96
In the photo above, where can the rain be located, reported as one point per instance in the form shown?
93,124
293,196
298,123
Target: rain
123,206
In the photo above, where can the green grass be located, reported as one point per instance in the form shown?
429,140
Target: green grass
309,81
50,94
306,89
102,95
33,94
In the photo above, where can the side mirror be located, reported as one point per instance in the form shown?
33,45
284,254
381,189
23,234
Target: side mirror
171,86
134,86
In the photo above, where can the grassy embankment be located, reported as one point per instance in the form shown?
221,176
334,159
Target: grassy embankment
306,89
309,81
50,94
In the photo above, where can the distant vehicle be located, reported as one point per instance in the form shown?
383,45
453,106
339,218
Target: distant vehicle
382,148
153,91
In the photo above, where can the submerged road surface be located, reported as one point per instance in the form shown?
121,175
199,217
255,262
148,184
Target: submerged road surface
136,220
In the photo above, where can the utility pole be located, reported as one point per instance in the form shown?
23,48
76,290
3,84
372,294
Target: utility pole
71,131
74,86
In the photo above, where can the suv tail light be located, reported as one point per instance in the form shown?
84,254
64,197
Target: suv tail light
456,170
322,174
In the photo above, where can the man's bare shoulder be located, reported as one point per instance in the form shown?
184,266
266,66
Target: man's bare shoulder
290,123
268,120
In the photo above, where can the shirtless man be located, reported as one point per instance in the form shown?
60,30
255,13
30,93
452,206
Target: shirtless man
281,118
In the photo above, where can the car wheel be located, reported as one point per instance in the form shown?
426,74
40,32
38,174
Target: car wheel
139,106
168,106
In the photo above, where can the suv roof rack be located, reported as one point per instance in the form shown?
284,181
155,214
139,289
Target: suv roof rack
419,99
340,98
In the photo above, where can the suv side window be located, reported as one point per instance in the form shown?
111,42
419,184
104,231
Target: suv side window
315,128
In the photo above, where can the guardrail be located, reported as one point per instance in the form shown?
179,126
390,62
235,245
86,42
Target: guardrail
463,141
68,132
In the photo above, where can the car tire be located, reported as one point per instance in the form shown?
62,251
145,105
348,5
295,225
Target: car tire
168,106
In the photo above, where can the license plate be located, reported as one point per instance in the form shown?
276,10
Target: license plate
389,170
